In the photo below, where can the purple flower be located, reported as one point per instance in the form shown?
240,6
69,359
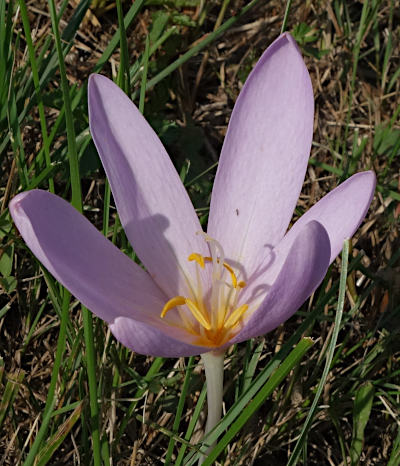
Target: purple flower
247,275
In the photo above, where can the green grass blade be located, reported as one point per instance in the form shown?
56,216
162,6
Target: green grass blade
13,384
92,378
51,399
342,293
77,203
394,459
14,128
198,47
136,68
144,75
6,30
251,369
43,175
75,21
35,74
58,437
129,17
123,72
47,66
154,369
106,208
192,424
72,150
179,409
367,14
286,16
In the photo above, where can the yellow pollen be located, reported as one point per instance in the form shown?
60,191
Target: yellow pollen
198,258
241,284
236,315
180,301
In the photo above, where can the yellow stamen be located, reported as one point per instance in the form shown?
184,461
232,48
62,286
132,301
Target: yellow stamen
180,301
176,301
197,314
242,284
236,315
198,258
232,273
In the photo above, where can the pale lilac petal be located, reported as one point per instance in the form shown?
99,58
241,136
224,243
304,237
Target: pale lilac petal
264,156
153,205
146,339
304,268
342,210
103,278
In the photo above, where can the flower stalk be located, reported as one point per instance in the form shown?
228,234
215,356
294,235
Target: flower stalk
214,369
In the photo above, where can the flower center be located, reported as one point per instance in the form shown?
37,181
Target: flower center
216,317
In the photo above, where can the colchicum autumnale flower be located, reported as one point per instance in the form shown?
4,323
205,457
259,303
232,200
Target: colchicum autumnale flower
201,292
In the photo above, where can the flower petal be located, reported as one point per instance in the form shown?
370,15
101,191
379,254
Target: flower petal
264,156
342,210
145,339
304,266
153,205
103,278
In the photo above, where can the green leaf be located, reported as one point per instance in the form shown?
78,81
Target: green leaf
8,283
304,34
160,20
6,260
361,413
385,139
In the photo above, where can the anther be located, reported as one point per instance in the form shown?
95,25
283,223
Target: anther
235,283
232,273
236,315
198,314
176,301
198,258
180,301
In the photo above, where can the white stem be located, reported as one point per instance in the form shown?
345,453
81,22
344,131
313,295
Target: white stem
214,368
